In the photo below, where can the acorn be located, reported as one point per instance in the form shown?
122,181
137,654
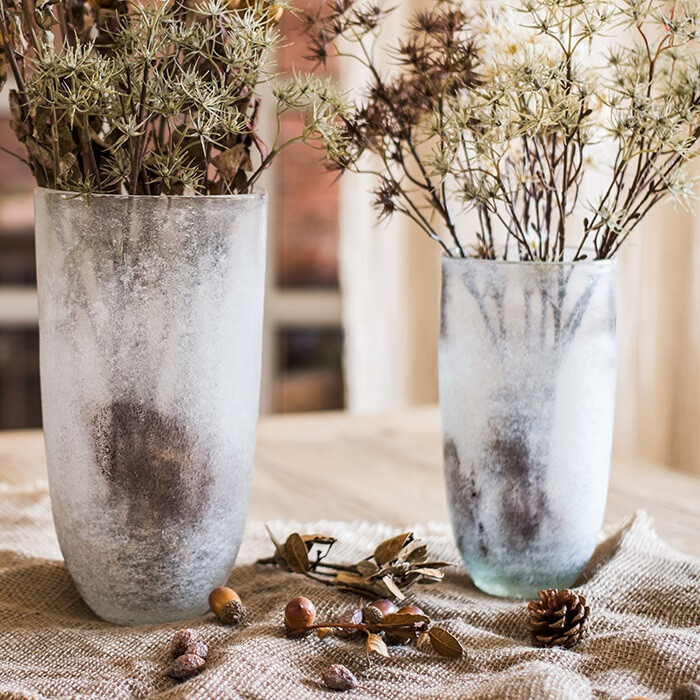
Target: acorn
374,612
226,604
299,613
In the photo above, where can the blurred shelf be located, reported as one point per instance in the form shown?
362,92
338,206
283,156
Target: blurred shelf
19,307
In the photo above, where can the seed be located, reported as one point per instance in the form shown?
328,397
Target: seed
220,596
339,677
299,613
353,616
181,640
198,649
186,666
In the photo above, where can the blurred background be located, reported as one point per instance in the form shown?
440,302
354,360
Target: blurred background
373,346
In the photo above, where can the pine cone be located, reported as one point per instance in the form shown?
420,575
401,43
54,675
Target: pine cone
558,618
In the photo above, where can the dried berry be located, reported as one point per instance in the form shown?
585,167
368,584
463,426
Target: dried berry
687,691
186,666
198,649
299,613
375,611
339,677
352,616
181,640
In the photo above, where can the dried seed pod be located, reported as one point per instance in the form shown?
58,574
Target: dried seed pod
352,616
198,649
181,640
339,677
186,666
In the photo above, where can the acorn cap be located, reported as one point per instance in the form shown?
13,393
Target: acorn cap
232,613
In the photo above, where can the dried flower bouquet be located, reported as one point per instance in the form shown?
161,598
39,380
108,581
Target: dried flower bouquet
506,111
151,97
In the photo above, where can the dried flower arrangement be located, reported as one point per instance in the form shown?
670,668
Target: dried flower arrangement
503,113
113,96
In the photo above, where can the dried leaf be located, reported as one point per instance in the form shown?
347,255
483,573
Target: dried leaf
318,539
444,643
296,554
366,568
389,549
418,553
279,552
375,644
404,619
323,632
233,160
431,573
392,587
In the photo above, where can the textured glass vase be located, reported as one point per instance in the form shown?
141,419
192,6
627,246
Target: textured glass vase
527,392
150,318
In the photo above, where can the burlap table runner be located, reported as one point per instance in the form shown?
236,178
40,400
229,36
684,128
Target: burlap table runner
644,638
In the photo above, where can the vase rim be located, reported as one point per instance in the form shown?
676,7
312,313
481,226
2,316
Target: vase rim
607,262
257,193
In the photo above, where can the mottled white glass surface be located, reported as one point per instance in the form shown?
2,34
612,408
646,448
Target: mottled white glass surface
527,390
150,324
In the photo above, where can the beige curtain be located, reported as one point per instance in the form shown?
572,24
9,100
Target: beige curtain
391,279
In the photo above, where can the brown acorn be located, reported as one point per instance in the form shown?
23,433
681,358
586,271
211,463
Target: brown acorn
226,604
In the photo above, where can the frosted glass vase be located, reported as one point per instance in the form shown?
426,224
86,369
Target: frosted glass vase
527,391
150,319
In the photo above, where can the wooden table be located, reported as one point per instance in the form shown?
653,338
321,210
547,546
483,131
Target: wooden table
387,468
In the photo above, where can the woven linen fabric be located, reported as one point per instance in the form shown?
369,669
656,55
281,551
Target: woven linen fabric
644,636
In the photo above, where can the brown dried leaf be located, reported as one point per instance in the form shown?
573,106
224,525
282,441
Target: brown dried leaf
296,554
431,573
404,619
279,552
444,643
389,549
375,644
366,568
233,160
418,553
318,539
391,586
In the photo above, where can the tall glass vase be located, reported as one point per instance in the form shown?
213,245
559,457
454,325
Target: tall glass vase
527,389
150,325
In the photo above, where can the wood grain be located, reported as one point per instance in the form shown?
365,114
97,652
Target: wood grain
387,468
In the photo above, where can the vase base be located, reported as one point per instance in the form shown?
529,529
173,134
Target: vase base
524,590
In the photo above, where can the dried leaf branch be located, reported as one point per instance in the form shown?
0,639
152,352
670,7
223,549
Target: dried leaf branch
395,566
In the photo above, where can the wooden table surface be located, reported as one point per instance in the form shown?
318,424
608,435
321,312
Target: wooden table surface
386,468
